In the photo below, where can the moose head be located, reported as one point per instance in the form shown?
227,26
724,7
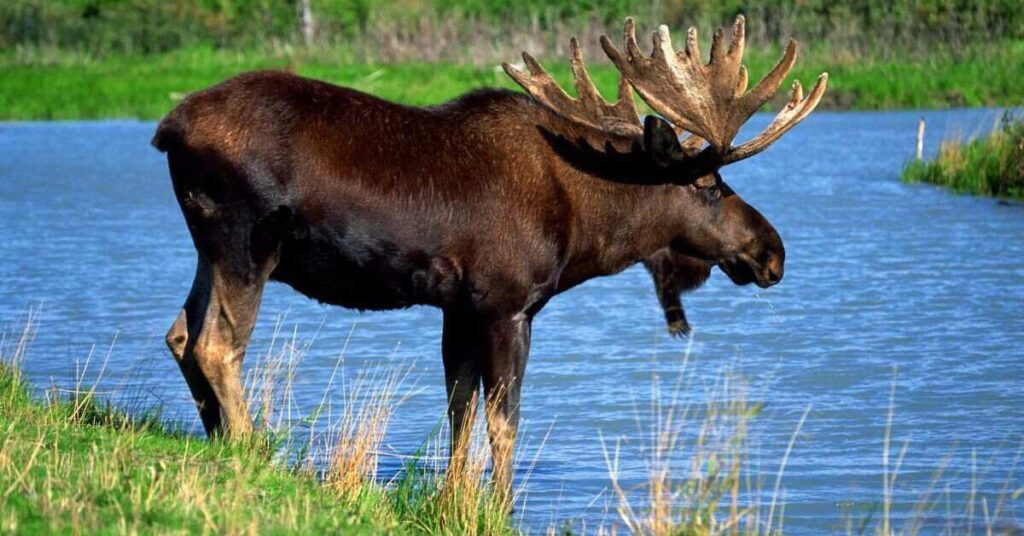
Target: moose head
705,102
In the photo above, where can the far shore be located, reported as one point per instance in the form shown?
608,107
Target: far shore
147,87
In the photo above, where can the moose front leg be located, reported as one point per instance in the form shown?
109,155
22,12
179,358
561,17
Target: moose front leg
494,350
507,347
462,348
663,271
673,274
675,315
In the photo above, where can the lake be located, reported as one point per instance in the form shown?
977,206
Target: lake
887,285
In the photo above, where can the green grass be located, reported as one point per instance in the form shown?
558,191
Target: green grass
146,87
992,166
79,466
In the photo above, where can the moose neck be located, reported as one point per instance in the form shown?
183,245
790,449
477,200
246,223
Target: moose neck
622,213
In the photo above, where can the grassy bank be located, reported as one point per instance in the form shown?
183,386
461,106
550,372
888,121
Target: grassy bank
92,59
76,467
79,466
993,165
146,87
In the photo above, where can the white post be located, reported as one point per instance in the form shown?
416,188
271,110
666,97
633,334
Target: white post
920,138
308,24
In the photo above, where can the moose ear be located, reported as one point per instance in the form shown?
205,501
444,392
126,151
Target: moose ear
661,142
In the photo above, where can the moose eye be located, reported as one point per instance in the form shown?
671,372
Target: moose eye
708,189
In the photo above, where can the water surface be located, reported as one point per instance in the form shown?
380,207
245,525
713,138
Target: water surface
880,276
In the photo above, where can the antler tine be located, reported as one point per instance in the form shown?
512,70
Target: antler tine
795,111
717,46
742,81
676,85
585,89
768,85
692,46
739,38
590,108
629,37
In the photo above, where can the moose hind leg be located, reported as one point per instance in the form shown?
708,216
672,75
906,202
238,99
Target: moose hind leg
220,315
202,393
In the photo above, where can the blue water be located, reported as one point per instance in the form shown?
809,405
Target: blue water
887,284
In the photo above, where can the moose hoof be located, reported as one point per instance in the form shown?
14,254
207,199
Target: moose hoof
679,329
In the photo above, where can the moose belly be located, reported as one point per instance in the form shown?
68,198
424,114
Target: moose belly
358,271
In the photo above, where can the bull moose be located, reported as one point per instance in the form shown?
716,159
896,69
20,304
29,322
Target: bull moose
486,206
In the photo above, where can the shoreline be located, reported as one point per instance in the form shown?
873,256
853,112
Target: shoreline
147,87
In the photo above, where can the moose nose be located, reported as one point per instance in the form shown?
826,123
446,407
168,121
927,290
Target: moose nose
774,269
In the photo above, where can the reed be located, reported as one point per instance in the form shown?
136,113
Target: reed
699,479
992,165
697,456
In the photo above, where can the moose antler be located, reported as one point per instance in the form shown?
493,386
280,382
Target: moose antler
590,108
711,100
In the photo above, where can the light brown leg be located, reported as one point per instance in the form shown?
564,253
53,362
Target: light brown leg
508,345
218,318
502,428
205,400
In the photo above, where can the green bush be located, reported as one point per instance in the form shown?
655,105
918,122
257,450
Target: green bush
987,166
100,28
892,28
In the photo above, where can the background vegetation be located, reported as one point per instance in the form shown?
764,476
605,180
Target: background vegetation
394,29
988,166
116,58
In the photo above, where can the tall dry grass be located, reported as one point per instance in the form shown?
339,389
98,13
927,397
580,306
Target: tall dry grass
696,457
699,478
314,472
432,494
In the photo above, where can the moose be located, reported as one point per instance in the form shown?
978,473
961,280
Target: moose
485,207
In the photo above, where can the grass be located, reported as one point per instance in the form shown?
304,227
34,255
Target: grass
80,466
992,166
698,481
69,86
